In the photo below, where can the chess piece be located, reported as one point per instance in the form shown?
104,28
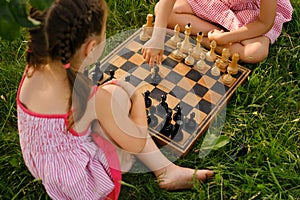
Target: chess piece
177,134
233,67
177,54
175,39
189,60
198,50
215,71
144,36
168,126
211,55
149,25
155,74
148,101
177,115
224,61
153,119
190,123
97,74
111,75
163,102
227,79
163,106
201,64
186,45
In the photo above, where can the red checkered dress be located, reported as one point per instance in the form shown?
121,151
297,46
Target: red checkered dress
233,14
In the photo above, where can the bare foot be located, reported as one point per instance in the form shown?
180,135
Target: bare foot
174,177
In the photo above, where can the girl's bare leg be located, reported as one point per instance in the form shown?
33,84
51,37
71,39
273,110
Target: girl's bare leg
182,14
251,50
170,176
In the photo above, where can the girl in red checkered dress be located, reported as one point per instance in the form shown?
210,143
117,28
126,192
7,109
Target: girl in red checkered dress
247,27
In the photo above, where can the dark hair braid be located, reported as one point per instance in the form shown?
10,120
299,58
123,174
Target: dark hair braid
68,25
37,51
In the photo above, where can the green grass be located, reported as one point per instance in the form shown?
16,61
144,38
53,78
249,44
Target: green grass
263,114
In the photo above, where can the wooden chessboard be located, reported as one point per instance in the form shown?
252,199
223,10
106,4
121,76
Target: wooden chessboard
197,92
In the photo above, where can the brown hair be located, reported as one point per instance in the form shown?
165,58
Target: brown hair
65,26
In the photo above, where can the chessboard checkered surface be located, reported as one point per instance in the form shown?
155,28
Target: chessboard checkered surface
197,92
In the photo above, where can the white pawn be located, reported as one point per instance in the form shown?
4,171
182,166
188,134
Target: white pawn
189,60
177,54
215,71
227,79
144,36
201,64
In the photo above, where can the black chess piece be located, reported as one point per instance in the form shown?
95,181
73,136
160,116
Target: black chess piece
168,126
153,119
148,101
190,123
97,74
177,115
111,75
163,106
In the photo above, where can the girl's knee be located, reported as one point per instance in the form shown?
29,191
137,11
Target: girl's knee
256,55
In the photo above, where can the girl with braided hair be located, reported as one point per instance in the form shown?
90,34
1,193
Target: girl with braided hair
76,137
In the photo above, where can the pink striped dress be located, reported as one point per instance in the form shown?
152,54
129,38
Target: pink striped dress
70,166
233,14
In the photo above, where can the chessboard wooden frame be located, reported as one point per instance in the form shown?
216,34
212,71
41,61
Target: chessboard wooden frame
161,140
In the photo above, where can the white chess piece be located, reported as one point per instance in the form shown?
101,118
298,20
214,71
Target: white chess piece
201,64
189,60
175,39
198,50
177,54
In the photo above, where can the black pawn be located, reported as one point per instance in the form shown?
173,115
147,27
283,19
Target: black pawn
163,102
111,74
163,106
177,115
148,101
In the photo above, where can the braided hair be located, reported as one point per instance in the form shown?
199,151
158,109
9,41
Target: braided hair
66,25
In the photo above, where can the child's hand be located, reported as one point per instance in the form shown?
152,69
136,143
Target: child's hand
216,35
153,50
153,56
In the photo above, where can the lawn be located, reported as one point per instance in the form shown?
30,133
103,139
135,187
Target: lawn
263,114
